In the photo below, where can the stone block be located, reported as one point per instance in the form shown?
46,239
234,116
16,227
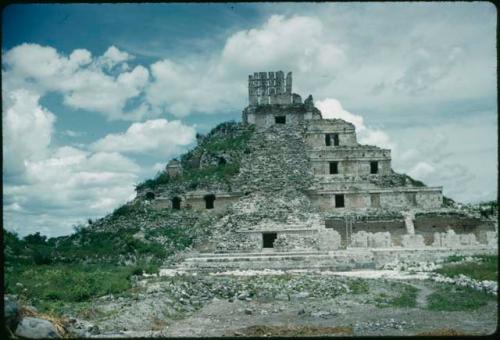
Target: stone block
34,328
447,240
379,240
359,239
328,239
492,238
412,241
11,312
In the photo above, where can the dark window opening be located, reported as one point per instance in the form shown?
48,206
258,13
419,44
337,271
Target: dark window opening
339,201
268,240
335,139
329,137
222,161
374,167
334,168
280,119
150,196
209,201
176,203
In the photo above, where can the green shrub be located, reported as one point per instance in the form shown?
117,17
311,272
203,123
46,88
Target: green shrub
456,298
35,239
454,258
485,269
160,179
67,282
124,210
136,271
407,297
42,255
358,286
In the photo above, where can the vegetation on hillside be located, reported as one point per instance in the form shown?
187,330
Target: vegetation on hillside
102,257
448,297
226,138
484,269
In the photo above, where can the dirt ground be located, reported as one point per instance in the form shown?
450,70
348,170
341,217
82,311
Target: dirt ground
344,315
223,318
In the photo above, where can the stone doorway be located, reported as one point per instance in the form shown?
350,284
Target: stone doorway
209,201
280,120
268,240
176,203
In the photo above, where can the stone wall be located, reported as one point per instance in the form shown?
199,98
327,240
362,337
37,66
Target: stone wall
428,226
427,198
270,88
277,161
351,167
263,116
315,135
363,239
398,198
196,201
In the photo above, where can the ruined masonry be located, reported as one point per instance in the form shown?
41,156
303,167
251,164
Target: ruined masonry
307,194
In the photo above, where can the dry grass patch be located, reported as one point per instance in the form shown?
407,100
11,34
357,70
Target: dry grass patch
261,330
442,332
58,322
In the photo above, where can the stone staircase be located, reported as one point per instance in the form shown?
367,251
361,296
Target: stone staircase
338,260
278,161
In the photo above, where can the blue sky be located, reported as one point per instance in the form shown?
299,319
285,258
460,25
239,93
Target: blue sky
97,98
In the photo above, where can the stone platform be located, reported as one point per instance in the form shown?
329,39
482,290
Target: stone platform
339,260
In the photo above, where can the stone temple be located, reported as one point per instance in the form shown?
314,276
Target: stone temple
308,194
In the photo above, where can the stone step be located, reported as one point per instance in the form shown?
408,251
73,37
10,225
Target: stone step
257,258
340,260
264,253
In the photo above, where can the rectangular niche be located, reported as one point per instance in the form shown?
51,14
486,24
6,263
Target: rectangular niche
268,240
280,119
339,201
334,168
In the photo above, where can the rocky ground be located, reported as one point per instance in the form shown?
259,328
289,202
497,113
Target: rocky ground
401,299
276,303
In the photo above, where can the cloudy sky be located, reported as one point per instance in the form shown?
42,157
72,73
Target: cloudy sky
97,98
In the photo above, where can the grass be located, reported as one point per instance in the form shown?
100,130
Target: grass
407,297
233,143
358,286
292,331
68,282
485,269
455,298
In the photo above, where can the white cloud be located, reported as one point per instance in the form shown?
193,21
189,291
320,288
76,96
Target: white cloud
81,79
113,57
421,169
157,167
156,136
456,155
365,63
298,43
57,185
68,187
72,133
27,130
331,108
96,91
217,82
429,60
